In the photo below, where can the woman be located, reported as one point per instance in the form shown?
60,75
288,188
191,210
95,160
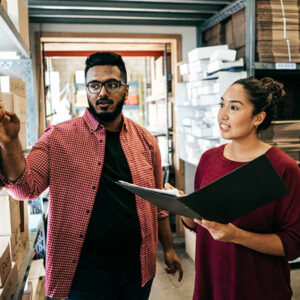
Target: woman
247,259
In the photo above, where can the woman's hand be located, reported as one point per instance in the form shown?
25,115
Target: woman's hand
220,232
168,186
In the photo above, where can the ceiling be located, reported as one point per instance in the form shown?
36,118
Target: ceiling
129,12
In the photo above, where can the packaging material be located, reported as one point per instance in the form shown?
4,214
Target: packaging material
198,66
219,65
203,52
5,262
184,69
223,55
13,85
18,13
10,285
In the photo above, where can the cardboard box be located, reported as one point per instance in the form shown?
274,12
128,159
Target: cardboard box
5,262
10,285
7,101
229,34
216,31
37,278
20,108
18,13
9,214
16,104
4,4
14,226
23,136
239,28
12,85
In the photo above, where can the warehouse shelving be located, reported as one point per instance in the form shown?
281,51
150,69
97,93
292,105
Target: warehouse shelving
11,39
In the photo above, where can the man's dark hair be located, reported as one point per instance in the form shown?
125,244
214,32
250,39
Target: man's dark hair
106,58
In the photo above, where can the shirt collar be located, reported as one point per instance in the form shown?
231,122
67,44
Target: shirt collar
94,124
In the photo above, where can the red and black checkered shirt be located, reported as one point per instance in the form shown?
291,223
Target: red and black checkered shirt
69,159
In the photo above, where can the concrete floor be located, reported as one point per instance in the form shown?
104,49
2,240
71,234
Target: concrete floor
166,287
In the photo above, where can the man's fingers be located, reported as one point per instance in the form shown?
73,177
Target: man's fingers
180,271
168,186
13,117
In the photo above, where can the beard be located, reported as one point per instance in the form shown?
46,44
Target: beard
107,116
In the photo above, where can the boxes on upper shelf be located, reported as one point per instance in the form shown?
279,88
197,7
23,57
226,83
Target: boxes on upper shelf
12,85
215,35
18,13
5,262
219,65
223,55
10,285
203,52
239,28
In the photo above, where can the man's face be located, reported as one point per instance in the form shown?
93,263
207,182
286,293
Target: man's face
106,105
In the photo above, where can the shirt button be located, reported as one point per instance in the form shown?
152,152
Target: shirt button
87,211
74,261
81,236
99,163
101,141
93,187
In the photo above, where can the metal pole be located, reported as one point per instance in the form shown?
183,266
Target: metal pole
250,36
167,112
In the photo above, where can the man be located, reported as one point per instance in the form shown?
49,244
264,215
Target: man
101,239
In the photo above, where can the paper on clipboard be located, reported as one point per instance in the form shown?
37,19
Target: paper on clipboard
232,196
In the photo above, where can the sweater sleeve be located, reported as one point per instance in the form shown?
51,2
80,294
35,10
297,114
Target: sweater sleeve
288,213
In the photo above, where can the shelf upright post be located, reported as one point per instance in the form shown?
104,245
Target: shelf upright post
250,36
167,114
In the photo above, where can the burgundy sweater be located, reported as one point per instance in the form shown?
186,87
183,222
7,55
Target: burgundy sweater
227,271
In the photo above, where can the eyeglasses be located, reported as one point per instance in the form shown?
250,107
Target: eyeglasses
111,85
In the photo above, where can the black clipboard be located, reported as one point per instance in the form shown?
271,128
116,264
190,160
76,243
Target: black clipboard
230,197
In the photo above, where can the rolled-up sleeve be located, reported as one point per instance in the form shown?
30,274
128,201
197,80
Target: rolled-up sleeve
35,178
288,214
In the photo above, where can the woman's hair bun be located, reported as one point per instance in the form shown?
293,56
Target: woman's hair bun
274,90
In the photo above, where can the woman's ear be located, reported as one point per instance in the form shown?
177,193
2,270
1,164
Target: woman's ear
259,118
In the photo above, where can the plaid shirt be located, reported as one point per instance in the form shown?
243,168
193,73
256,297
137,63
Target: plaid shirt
69,159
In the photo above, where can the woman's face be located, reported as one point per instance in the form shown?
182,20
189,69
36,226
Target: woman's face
235,117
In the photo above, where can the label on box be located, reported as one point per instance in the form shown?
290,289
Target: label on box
285,66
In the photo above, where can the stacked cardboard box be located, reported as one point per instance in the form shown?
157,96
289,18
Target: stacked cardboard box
10,285
215,35
14,226
285,135
277,25
235,33
18,13
13,98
